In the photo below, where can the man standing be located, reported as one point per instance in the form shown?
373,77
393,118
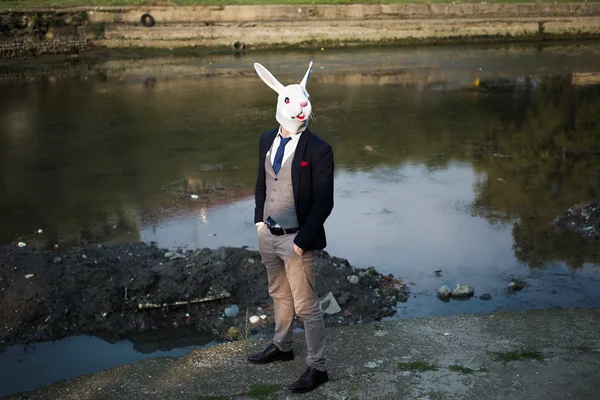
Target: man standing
294,197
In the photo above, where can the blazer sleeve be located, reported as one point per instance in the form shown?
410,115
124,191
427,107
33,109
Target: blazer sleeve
322,186
260,189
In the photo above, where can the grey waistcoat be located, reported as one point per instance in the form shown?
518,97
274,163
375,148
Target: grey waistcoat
279,203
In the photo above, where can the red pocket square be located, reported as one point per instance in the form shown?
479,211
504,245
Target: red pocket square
304,163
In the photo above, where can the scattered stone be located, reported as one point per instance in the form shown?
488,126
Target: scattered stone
353,279
329,305
251,260
462,291
29,276
516,285
232,311
171,255
254,319
444,292
343,298
485,296
57,260
402,297
263,317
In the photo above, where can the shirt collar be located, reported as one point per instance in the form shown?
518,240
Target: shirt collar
295,136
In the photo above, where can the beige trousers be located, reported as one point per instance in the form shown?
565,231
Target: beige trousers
292,287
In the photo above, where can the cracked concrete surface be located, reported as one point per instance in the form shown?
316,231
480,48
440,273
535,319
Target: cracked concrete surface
364,363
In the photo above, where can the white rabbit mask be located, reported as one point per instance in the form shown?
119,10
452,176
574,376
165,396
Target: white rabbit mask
293,103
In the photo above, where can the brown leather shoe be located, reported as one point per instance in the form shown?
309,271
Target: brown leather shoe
310,380
270,354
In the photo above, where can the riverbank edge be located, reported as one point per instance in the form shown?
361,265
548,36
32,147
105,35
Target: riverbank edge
38,31
465,356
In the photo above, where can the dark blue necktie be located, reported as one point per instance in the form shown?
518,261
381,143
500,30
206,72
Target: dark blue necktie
279,154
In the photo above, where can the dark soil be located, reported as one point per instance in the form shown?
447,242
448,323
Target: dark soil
583,219
97,290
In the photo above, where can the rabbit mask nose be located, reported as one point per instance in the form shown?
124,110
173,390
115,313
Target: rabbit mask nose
303,103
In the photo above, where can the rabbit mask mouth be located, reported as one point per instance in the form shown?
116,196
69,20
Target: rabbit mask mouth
300,117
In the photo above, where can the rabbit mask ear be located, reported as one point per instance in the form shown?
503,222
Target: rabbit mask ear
268,78
307,75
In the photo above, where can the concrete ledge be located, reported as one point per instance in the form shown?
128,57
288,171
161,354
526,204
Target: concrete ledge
339,12
431,358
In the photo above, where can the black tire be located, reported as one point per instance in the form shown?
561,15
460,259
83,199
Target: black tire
147,20
238,46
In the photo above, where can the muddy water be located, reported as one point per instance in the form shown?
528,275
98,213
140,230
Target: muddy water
447,159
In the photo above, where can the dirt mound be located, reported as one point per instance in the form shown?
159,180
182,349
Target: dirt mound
116,291
583,219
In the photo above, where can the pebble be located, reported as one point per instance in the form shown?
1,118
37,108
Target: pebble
443,292
57,260
29,276
353,279
232,311
485,296
462,291
254,319
516,285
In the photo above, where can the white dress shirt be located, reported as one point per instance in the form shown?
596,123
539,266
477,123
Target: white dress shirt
289,148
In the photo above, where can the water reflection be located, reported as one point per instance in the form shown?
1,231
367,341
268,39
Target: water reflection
440,164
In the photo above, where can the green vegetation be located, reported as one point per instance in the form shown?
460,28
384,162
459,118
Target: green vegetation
263,391
461,369
521,355
73,3
417,366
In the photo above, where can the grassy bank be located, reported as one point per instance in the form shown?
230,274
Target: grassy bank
15,4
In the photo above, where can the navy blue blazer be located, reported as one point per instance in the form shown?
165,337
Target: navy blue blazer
312,180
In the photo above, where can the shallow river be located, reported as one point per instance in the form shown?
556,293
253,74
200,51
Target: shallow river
448,159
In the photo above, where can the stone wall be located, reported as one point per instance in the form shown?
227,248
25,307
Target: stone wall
26,34
51,31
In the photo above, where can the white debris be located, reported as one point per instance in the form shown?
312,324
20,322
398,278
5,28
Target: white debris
254,319
329,305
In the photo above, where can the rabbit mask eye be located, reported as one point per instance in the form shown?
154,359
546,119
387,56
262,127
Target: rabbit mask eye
287,100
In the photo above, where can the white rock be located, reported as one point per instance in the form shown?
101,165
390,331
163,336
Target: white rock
353,279
263,317
443,292
29,276
232,311
462,291
329,305
254,319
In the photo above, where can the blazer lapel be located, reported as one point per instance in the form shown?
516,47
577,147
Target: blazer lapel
298,155
268,144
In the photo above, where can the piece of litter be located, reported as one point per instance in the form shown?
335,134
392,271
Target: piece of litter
194,196
104,314
22,244
48,318
254,319
29,276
